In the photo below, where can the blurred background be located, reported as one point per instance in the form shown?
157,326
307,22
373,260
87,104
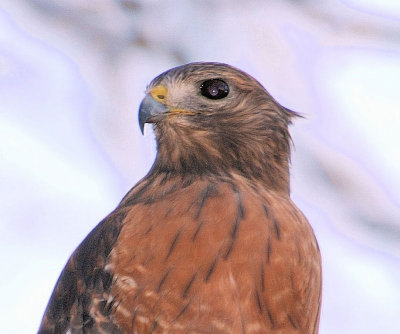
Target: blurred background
72,74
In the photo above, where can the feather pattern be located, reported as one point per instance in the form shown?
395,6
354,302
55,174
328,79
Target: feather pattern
209,241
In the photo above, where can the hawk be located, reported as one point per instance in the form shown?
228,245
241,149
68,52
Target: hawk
209,240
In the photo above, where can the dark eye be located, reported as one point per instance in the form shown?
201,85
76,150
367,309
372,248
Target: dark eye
214,89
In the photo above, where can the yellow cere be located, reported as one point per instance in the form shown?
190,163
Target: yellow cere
159,93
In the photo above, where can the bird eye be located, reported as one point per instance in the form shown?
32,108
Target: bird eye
214,89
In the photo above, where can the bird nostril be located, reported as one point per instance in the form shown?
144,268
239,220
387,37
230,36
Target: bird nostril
159,93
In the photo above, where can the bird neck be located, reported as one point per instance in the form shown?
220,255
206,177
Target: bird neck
197,152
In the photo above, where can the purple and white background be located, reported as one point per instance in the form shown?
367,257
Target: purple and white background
73,72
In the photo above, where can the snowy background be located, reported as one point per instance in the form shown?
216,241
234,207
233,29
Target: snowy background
72,74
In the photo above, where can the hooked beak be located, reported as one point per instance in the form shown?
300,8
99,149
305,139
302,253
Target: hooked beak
149,108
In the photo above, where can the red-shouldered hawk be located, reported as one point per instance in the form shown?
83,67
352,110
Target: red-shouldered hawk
209,240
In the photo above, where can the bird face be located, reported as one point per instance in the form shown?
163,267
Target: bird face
191,93
214,118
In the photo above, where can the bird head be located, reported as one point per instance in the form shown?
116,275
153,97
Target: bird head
214,118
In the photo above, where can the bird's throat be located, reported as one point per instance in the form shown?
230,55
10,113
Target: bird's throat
200,152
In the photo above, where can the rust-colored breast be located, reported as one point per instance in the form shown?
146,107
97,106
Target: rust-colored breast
215,256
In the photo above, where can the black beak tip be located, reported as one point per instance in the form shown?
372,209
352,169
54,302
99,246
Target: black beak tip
141,124
142,116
